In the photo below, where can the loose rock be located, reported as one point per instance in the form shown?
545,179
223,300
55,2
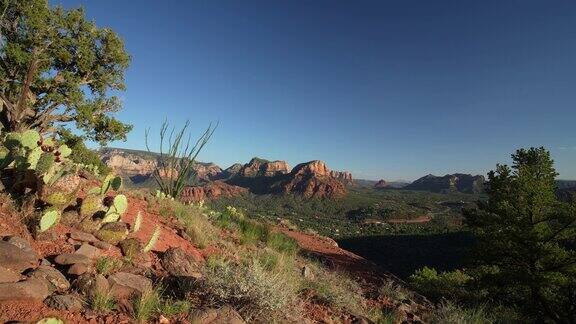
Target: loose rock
30,289
89,251
83,237
226,314
88,284
71,258
64,302
17,259
55,280
7,275
123,284
78,269
178,263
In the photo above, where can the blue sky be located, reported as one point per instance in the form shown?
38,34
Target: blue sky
384,89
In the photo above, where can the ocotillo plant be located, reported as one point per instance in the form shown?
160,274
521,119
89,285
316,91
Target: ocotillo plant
177,156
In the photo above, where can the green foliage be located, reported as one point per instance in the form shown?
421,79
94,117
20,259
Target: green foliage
82,155
49,219
118,207
146,305
451,285
525,250
174,169
58,67
282,243
102,301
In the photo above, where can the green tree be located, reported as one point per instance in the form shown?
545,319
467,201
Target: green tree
82,154
526,239
56,67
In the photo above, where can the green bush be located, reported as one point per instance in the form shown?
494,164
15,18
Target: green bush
450,313
282,243
434,285
82,154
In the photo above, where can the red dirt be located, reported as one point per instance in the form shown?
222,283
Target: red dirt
33,311
168,235
336,258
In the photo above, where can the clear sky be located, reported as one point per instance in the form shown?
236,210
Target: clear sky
384,89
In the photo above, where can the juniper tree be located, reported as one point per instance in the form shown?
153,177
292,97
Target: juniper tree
57,67
526,239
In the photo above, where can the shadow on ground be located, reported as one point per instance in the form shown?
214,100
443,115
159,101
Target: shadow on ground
404,254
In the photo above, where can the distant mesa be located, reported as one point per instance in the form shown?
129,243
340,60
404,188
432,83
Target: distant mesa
381,184
211,190
457,182
311,180
260,176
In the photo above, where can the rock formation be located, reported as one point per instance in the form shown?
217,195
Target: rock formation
381,184
127,164
210,190
311,180
343,176
263,168
457,182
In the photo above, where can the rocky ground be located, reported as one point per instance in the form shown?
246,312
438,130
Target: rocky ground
57,273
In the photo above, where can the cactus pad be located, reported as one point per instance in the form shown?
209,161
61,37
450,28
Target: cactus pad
30,138
49,218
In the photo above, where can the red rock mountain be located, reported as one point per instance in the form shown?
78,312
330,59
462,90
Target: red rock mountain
263,168
211,190
312,180
381,184
344,177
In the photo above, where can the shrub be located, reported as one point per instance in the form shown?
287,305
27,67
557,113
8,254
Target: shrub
102,301
282,243
146,305
337,290
82,154
393,291
451,285
255,292
450,313
252,232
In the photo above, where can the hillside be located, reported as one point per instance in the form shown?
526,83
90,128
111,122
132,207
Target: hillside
457,182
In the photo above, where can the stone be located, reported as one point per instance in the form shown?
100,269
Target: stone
87,284
103,245
71,258
131,247
55,280
20,243
178,263
223,315
45,262
83,237
8,275
124,284
78,269
17,259
89,251
64,302
112,233
30,289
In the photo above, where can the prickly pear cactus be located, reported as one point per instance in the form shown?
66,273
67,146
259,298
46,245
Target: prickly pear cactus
91,205
119,207
29,139
50,320
58,199
153,239
45,163
49,218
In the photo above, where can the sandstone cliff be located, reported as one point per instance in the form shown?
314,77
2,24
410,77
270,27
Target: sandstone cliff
210,190
263,168
312,180
343,176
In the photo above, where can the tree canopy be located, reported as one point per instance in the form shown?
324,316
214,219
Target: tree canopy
56,67
526,250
